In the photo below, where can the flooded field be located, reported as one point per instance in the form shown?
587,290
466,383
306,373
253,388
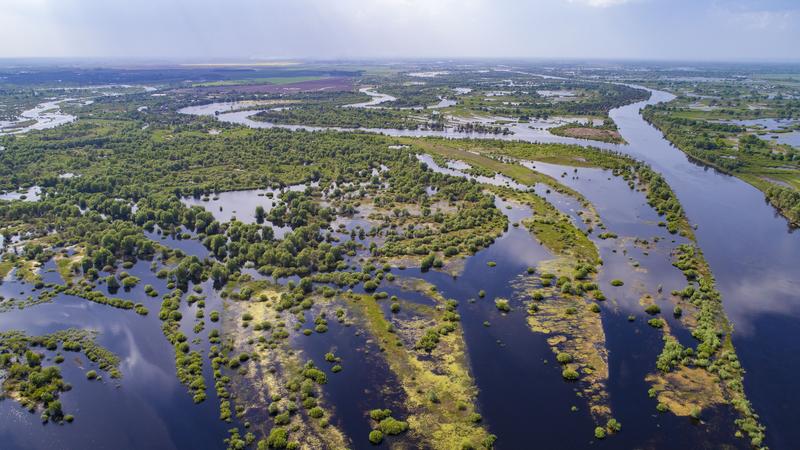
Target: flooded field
43,116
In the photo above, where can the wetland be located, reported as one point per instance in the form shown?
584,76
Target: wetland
423,260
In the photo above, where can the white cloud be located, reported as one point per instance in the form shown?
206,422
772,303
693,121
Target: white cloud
399,28
761,20
601,3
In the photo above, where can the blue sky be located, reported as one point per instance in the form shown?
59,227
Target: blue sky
636,29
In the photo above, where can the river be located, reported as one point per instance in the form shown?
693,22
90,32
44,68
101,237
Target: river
755,257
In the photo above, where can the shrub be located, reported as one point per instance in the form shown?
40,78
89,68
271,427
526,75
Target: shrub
502,304
129,281
277,438
91,375
599,433
425,265
375,437
380,414
617,282
491,264
282,418
112,283
316,412
429,340
564,358
392,426
652,309
569,374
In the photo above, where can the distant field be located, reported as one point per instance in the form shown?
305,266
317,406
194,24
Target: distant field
779,76
274,85
269,80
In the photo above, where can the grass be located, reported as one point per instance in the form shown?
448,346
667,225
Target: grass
27,270
64,264
685,389
518,173
569,155
587,132
5,268
446,423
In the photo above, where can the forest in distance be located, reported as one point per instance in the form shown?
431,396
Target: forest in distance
464,254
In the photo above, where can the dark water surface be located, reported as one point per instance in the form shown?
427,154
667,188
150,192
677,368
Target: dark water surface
146,408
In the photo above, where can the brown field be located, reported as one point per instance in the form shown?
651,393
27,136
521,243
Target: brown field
326,84
598,134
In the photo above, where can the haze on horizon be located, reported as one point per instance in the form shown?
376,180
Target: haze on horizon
733,30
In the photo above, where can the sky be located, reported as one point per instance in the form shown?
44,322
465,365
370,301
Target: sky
712,30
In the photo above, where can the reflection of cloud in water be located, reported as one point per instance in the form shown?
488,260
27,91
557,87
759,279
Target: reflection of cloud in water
766,294
138,366
517,248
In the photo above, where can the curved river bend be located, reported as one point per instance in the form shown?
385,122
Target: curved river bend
753,253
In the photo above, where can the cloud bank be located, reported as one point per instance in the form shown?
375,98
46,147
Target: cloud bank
645,29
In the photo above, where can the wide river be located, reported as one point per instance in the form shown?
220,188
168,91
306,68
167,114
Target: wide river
754,254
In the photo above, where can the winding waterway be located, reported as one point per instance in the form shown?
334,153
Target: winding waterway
753,253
